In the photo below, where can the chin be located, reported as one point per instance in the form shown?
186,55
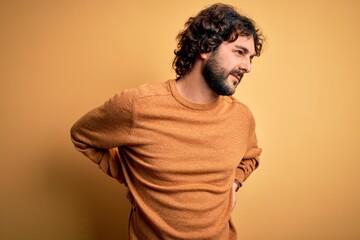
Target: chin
228,92
231,89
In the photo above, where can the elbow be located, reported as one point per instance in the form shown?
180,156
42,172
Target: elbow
73,133
75,138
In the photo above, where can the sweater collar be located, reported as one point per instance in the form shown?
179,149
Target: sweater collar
189,104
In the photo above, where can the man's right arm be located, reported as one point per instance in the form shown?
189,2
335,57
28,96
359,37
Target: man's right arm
99,132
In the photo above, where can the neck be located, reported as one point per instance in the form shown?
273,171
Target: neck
194,88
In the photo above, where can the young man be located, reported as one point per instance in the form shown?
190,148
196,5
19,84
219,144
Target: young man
183,147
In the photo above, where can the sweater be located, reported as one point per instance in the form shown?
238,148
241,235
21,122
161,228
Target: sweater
179,159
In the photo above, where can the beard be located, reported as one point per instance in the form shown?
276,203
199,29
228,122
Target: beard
216,76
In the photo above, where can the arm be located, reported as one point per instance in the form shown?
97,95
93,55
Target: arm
99,132
250,160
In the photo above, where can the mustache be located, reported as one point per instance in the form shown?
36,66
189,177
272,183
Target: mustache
237,73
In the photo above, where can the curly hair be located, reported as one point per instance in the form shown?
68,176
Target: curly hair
207,30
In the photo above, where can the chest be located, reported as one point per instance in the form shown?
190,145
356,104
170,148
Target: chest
188,142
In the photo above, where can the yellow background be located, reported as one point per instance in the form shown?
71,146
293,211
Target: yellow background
59,59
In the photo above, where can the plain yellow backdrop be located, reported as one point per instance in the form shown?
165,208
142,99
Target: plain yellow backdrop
59,59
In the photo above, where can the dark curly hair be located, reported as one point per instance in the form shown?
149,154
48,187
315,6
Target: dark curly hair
207,30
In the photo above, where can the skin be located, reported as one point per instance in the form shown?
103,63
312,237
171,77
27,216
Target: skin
229,62
231,57
217,74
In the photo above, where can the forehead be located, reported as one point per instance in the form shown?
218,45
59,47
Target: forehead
246,42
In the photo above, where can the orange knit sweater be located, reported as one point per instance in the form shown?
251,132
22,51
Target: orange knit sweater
179,159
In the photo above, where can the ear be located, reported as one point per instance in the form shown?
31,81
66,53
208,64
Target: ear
204,56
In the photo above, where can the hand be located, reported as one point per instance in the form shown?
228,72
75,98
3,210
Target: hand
234,195
130,198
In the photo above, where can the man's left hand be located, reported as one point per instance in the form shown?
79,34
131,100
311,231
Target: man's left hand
235,186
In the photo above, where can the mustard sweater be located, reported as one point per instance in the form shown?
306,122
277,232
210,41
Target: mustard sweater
179,159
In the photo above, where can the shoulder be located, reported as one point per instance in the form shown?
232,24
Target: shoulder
242,111
239,106
130,95
147,90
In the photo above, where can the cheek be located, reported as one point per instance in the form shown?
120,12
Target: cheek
229,64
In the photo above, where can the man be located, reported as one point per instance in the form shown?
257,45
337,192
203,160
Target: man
183,147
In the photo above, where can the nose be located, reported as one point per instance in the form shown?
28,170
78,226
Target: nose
245,65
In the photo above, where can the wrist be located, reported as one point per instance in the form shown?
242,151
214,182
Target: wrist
236,185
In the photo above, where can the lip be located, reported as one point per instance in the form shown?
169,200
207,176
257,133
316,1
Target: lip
237,77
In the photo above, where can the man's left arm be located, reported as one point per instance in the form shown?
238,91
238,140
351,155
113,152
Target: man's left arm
250,161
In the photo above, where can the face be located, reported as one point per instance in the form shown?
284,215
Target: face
225,67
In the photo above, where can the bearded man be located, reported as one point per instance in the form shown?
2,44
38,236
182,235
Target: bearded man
183,147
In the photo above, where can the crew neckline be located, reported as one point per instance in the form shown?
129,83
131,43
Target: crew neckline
189,104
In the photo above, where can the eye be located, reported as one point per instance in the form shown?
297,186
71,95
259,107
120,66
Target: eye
239,52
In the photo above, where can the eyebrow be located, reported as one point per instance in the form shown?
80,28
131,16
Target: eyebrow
245,50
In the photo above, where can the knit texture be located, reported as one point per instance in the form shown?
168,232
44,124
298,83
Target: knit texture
179,159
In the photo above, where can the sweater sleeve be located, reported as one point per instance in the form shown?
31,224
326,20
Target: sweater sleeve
250,161
100,132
